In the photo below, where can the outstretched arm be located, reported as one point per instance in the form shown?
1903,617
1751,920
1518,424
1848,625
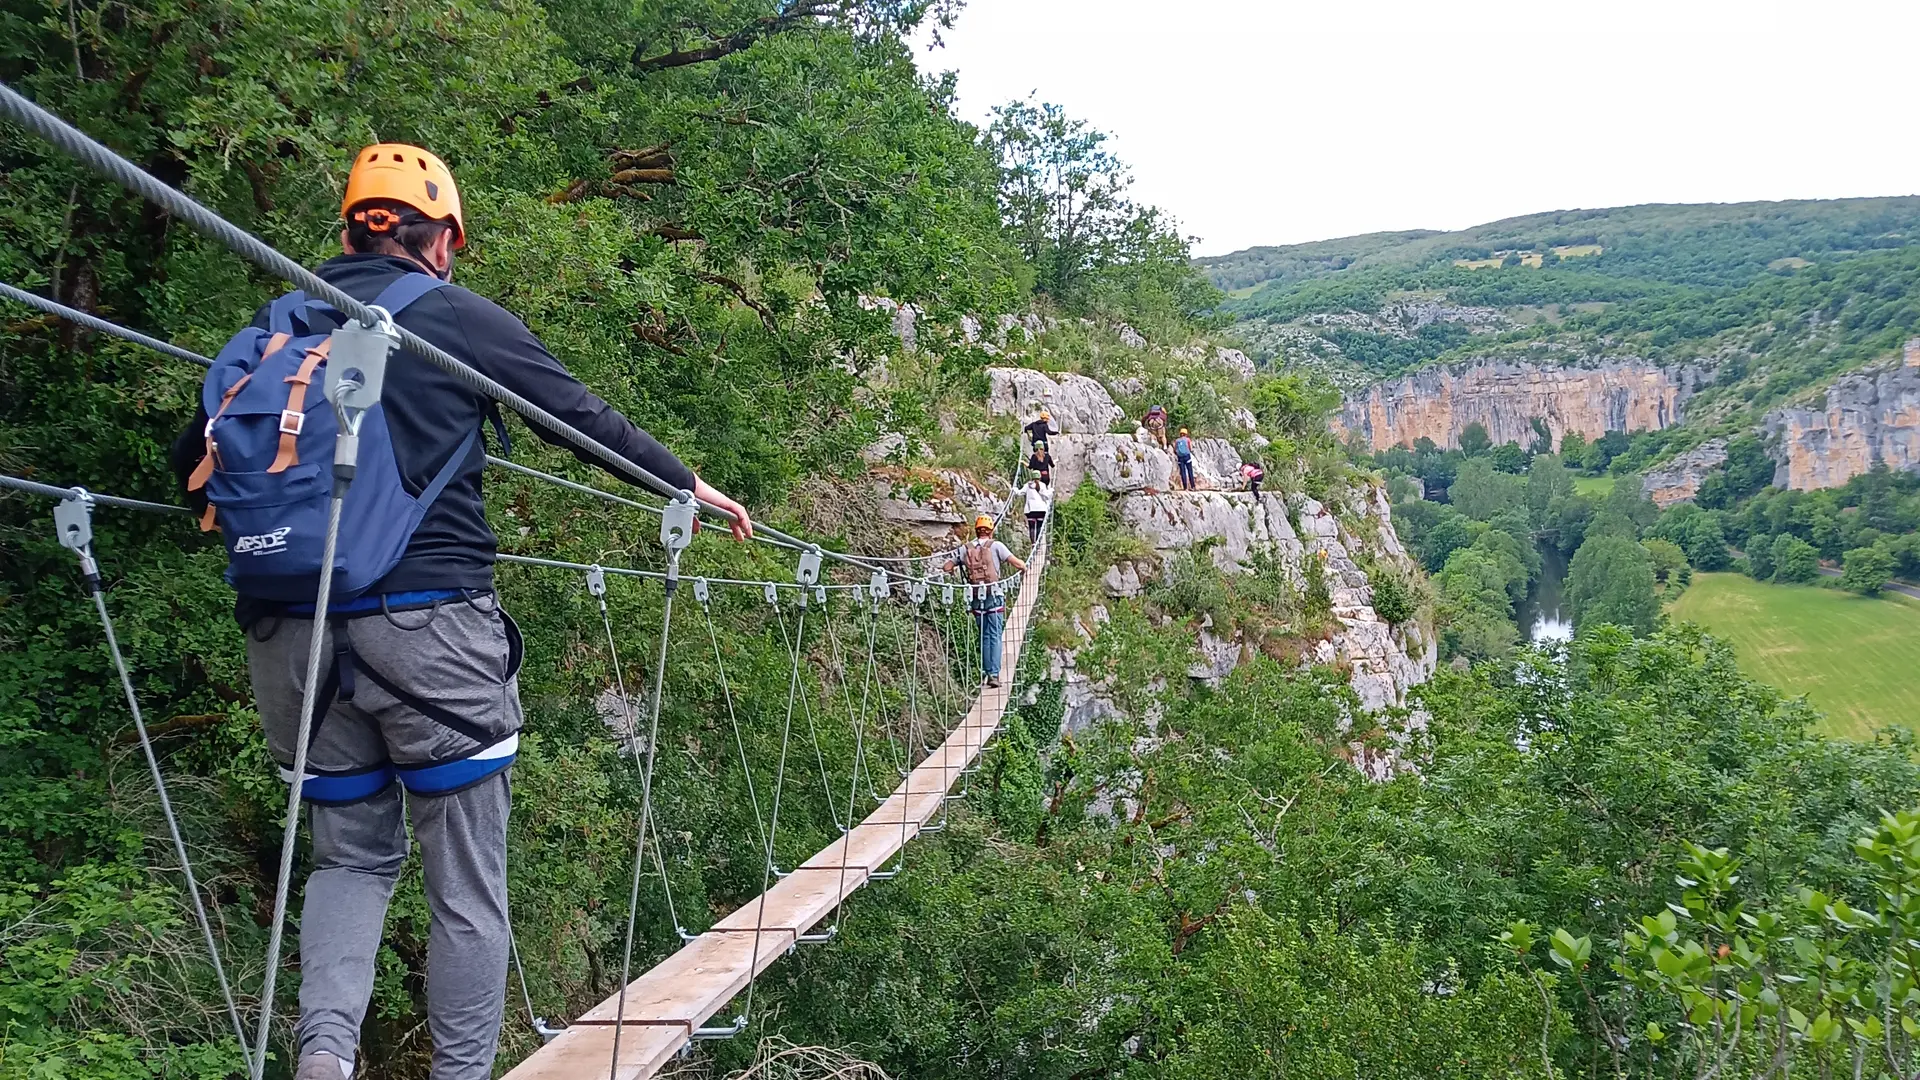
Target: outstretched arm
503,348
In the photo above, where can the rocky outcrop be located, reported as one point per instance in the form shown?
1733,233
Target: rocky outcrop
1234,361
933,504
1677,480
1382,660
1865,418
1507,396
1123,464
1078,404
1235,523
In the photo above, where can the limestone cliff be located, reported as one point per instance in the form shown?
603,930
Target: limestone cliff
1623,394
1679,479
1863,419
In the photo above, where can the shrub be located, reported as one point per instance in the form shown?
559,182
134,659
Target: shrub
1393,598
1866,570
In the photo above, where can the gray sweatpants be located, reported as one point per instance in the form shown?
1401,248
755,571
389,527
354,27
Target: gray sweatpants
458,661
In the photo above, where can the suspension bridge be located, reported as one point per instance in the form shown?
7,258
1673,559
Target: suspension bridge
931,745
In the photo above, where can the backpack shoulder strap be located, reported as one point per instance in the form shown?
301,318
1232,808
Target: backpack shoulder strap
405,290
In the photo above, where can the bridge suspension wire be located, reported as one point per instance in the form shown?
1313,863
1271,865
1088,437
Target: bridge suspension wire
94,322
682,506
100,159
73,523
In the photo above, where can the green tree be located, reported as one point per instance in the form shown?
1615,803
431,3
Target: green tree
1667,557
1064,197
1480,491
1508,457
1866,570
1548,484
1611,581
1474,439
1573,447
1794,560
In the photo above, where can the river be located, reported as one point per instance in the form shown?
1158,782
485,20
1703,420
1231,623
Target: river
1542,616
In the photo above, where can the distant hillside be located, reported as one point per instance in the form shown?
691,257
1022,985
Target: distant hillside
1695,244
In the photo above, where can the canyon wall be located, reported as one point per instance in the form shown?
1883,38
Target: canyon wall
1865,418
1507,395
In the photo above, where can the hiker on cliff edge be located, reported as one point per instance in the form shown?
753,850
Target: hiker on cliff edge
1038,431
1156,424
982,557
1041,463
417,718
1183,456
1253,474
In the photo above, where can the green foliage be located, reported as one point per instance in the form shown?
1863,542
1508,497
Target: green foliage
1611,581
1866,570
1394,600
1474,440
1480,490
1092,249
1666,555
1794,560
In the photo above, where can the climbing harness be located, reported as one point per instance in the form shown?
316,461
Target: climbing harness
358,353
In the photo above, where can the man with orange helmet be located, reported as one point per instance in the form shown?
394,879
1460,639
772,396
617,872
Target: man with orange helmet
982,557
423,688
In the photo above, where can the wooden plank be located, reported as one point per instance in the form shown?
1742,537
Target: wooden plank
690,986
581,1052
684,991
868,846
798,902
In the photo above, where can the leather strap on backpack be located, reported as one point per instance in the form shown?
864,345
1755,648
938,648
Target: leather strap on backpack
294,416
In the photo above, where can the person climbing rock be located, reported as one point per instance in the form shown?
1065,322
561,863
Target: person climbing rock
1156,424
417,718
1253,474
1039,429
981,558
1039,497
1183,456
1040,463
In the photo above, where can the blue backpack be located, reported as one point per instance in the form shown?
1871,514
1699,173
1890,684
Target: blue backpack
268,467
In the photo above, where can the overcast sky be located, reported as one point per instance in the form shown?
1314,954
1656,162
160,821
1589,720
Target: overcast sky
1280,121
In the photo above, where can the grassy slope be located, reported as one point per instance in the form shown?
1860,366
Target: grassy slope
1856,659
1594,487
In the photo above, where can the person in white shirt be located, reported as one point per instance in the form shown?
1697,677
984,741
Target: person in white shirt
1039,500
982,557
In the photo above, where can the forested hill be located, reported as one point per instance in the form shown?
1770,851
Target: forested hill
1691,244
1769,300
760,230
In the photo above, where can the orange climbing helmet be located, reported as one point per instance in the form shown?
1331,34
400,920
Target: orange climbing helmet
404,174
983,522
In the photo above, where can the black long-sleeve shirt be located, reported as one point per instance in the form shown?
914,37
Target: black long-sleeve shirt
1038,431
429,414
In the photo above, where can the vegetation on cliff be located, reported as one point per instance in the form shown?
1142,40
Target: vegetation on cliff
688,202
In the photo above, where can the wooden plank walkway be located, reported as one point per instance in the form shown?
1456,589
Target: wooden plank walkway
684,991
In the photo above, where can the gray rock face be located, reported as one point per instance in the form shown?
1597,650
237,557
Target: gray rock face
954,501
1122,580
1218,657
1178,520
1234,361
1130,337
1122,464
1679,479
1866,418
1078,404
